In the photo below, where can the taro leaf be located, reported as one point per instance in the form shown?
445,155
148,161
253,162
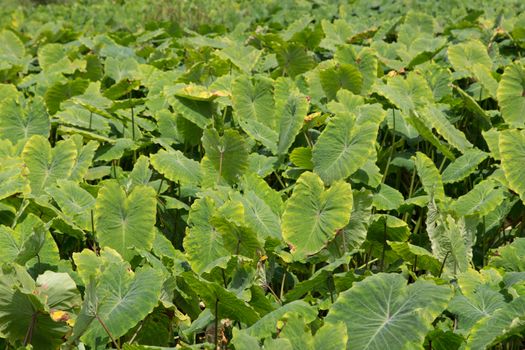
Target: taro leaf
254,110
12,177
85,154
472,307
313,215
437,119
302,157
294,59
294,328
418,256
75,202
176,167
506,321
221,301
197,112
365,60
463,166
124,299
406,94
466,55
259,216
58,93
416,121
331,336
382,312
203,244
341,76
356,230
123,222
265,327
290,109
47,165
228,153
19,123
388,198
451,239
346,143
430,177
511,95
244,57
24,303
512,152
510,257
484,198
11,47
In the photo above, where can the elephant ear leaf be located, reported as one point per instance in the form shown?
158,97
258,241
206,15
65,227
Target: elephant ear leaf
511,95
46,305
47,165
512,152
122,299
19,123
346,143
227,154
313,215
382,312
123,222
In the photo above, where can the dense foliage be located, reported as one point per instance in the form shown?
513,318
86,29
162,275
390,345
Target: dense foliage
287,175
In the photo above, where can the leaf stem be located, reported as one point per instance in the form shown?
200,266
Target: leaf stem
107,331
29,333
217,323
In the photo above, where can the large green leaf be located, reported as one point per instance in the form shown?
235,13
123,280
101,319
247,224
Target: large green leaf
463,166
346,143
176,167
123,297
27,307
430,177
512,152
254,110
228,153
451,239
123,221
341,76
203,244
21,122
506,321
46,165
511,95
290,108
382,312
313,215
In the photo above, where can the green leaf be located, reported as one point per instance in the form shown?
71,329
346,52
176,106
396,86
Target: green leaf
430,177
484,198
203,244
75,202
26,305
254,110
124,299
512,152
506,321
451,239
294,59
341,76
466,55
228,153
406,94
331,336
437,119
222,301
19,122
382,312
47,165
266,325
511,95
176,167
346,143
290,109
510,257
463,166
313,215
302,157
125,221
388,198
